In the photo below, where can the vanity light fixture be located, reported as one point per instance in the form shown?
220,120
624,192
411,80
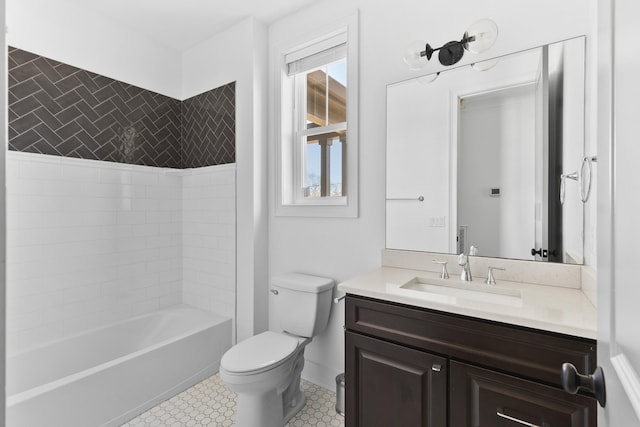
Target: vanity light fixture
479,37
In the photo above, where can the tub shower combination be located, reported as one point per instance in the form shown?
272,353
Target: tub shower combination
109,375
144,222
93,244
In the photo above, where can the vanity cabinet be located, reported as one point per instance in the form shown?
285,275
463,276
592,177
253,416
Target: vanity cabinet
408,366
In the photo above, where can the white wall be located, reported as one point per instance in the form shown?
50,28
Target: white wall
61,31
591,138
89,243
343,248
237,54
209,239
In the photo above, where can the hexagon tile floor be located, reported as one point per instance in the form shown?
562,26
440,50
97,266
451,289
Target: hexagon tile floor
211,404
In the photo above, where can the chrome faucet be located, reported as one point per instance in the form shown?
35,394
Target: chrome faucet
463,261
491,280
444,274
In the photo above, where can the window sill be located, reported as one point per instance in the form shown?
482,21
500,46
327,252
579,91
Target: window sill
331,208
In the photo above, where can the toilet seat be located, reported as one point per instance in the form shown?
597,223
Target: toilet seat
259,353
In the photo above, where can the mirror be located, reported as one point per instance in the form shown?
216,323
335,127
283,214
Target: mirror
482,156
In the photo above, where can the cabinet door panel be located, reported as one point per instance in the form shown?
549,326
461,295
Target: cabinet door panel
388,385
482,398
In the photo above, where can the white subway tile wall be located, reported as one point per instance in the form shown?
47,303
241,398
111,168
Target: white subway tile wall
92,242
208,239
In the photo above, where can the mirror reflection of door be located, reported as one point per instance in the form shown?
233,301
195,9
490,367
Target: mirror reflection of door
513,148
496,171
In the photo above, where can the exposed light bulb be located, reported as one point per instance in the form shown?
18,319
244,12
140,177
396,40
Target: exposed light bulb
483,33
412,55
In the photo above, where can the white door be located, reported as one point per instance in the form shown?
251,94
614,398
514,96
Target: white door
619,210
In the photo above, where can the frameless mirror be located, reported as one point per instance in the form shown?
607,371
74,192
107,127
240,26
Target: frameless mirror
488,156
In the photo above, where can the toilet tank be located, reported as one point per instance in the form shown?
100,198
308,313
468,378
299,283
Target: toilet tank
302,303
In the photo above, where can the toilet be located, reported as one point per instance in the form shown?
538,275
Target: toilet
265,369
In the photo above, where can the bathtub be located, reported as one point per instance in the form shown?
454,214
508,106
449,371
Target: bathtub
109,375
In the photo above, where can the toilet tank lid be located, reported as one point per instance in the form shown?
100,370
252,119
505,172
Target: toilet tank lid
303,282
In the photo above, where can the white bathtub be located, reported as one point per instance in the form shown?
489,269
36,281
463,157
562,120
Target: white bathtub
109,375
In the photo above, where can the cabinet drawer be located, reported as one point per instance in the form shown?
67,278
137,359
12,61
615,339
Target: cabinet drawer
516,350
482,398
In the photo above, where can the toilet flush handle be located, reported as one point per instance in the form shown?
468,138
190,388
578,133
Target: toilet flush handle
274,291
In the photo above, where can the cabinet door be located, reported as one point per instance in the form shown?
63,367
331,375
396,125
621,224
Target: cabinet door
390,385
483,398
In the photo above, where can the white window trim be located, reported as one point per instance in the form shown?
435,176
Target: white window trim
284,152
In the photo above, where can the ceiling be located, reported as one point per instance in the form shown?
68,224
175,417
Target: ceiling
180,24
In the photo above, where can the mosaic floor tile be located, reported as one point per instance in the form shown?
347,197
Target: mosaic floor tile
211,404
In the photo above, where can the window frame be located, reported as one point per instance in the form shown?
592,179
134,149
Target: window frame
290,200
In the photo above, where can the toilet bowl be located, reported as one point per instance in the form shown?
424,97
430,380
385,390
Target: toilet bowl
264,370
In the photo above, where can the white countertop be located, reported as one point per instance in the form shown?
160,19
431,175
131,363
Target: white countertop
555,309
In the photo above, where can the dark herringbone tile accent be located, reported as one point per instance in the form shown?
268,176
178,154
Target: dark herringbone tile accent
61,110
209,128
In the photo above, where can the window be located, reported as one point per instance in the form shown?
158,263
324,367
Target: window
320,122
318,130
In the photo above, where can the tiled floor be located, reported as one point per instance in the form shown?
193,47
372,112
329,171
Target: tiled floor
210,403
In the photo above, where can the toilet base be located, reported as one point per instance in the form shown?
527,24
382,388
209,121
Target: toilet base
263,410
275,407
290,412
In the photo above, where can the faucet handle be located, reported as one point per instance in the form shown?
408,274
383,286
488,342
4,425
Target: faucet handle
490,279
462,259
444,274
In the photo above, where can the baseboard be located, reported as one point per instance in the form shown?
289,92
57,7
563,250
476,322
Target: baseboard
320,375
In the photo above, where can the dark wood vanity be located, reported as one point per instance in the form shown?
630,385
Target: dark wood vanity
409,366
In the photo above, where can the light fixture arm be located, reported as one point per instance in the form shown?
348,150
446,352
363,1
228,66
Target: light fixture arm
428,50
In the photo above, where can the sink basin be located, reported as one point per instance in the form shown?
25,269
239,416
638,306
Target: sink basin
461,293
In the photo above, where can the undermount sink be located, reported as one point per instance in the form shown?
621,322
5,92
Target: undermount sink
458,292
